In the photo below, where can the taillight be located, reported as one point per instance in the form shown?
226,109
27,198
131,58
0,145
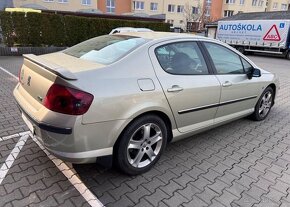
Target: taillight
67,100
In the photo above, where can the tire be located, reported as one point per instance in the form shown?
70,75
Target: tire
241,50
141,145
288,55
264,105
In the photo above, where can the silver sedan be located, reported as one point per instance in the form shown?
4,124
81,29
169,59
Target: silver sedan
125,96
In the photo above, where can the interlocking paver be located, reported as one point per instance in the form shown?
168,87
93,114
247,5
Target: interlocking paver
242,163
156,197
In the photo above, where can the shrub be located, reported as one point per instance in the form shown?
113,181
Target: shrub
43,29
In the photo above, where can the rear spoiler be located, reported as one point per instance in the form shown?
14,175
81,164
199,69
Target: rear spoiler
54,68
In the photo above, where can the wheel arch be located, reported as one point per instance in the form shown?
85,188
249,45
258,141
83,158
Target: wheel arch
158,113
273,86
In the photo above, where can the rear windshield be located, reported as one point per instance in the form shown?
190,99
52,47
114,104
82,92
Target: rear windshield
105,49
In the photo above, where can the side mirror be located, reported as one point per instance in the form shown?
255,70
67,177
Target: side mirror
254,72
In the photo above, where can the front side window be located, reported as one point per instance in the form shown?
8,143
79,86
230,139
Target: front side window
105,49
225,60
247,66
181,58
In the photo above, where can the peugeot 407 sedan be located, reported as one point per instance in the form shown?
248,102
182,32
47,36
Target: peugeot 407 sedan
128,95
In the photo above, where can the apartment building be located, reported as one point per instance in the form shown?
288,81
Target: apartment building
231,7
177,12
278,5
59,5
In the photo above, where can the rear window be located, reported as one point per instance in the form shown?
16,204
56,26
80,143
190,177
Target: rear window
105,49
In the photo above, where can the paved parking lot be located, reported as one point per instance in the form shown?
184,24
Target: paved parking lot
243,163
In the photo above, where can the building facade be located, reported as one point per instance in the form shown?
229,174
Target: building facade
59,5
226,8
177,12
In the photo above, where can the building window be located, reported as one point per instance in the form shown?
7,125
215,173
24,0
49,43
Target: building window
110,6
138,5
275,5
194,10
242,2
48,0
171,8
62,1
230,1
260,3
86,2
154,6
228,13
180,9
207,12
208,2
283,7
254,2
239,12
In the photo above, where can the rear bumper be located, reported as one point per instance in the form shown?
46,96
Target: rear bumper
47,127
65,143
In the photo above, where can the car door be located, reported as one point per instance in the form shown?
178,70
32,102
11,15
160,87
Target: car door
239,94
189,85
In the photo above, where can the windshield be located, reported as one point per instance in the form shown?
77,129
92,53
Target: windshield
105,49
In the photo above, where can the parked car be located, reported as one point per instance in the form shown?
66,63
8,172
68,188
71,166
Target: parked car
128,95
129,29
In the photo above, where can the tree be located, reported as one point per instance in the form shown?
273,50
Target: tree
192,16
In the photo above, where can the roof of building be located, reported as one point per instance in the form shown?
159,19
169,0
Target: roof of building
255,16
259,16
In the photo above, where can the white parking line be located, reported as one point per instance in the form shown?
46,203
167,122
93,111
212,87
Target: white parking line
12,156
6,71
14,136
70,174
72,177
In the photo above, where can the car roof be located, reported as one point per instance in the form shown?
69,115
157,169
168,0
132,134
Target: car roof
160,35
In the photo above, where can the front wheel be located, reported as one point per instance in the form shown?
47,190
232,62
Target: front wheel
141,145
264,105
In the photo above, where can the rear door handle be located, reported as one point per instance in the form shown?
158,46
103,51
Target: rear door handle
175,88
227,84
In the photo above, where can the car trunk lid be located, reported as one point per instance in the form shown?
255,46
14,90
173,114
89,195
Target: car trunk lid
38,73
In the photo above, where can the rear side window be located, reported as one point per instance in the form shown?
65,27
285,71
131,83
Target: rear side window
105,49
225,60
181,58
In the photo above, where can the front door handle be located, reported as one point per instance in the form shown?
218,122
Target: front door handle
227,84
175,88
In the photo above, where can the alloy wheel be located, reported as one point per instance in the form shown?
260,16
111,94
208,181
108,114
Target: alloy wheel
144,145
265,104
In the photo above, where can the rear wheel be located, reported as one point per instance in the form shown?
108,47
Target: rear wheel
264,105
241,50
141,145
288,55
